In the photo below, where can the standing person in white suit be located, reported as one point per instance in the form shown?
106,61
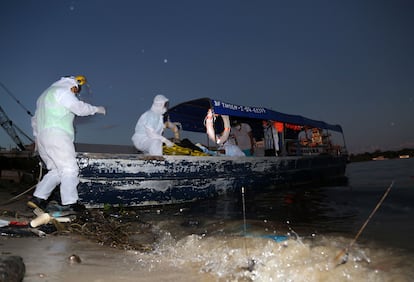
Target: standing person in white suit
54,134
149,128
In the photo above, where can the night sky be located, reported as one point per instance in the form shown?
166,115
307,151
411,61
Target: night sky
343,62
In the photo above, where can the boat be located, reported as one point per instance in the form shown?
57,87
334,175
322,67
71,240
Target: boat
192,173
404,156
379,158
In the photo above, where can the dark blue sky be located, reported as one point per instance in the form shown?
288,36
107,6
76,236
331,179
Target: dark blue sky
344,62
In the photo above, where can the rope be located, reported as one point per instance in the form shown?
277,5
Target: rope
250,262
343,255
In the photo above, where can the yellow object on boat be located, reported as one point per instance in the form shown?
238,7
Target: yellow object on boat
178,150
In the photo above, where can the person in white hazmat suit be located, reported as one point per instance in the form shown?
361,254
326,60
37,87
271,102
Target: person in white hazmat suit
54,136
149,128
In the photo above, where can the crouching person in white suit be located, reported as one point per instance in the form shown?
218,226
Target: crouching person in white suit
149,128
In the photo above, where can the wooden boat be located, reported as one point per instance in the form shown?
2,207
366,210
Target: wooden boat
135,179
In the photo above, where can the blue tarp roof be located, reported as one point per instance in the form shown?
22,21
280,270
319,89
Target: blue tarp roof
191,115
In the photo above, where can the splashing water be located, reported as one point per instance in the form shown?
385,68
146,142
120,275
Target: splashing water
237,258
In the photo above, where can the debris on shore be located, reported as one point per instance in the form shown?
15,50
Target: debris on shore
112,226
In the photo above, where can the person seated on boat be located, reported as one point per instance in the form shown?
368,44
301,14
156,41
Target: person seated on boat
316,137
231,149
149,128
271,138
242,133
304,136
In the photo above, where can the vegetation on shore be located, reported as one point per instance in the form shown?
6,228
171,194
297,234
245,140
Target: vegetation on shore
379,154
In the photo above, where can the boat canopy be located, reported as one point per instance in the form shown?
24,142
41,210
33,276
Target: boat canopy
191,115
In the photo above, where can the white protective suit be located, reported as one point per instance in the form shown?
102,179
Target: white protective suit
54,133
149,128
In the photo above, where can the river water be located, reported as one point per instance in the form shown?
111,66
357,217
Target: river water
290,234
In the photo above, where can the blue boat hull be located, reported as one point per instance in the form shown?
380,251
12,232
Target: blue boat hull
138,180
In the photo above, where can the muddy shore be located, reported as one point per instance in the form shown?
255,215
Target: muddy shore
73,254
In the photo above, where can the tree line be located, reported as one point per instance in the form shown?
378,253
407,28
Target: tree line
386,154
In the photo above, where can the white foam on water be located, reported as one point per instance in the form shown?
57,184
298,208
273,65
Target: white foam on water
210,258
237,258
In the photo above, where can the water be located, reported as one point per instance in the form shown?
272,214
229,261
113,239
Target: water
296,234
225,237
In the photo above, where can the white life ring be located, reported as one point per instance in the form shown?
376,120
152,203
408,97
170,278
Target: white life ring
209,124
174,127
